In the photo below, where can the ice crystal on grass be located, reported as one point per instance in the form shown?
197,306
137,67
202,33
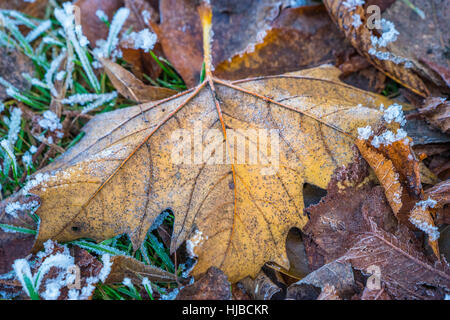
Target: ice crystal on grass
101,15
113,36
74,34
40,29
54,66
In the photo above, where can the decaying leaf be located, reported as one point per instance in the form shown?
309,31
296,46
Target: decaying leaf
375,294
359,34
134,163
213,285
336,274
328,293
34,8
124,266
12,65
132,88
251,38
437,112
405,271
16,229
298,38
386,173
121,176
260,288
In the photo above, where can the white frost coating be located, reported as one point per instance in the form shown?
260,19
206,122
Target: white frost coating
58,260
102,100
429,203
39,178
14,207
127,282
52,291
144,39
54,66
193,242
40,29
394,113
365,133
172,295
356,20
431,231
352,4
22,270
50,121
106,270
114,30
102,15
388,137
388,34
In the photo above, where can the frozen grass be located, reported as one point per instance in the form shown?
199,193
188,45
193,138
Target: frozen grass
58,54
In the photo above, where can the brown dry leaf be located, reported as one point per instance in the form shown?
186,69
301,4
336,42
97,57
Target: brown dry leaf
236,216
213,285
93,28
369,294
328,293
298,38
421,216
12,65
251,38
124,266
440,193
336,274
423,41
260,288
132,88
339,217
405,271
437,112
141,61
385,171
35,8
14,211
360,38
120,176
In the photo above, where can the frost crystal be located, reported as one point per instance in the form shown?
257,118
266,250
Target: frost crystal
430,230
104,273
429,203
14,207
40,29
365,133
144,39
102,15
127,282
352,4
388,137
114,30
394,113
356,20
193,242
50,121
388,34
